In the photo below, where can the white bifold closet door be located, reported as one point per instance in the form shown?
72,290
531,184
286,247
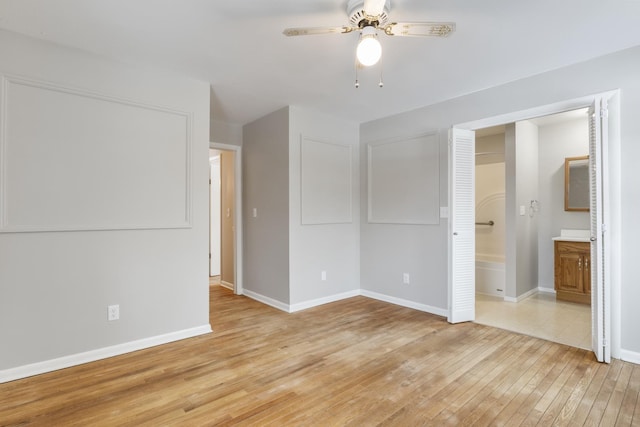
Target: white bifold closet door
462,238
600,289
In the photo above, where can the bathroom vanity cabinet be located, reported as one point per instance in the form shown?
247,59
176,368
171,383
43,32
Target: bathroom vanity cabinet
573,271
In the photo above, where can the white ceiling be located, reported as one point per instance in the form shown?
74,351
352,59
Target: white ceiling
238,46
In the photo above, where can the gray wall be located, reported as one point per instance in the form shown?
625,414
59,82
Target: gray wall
557,141
284,256
422,244
526,225
390,250
265,181
333,245
55,286
221,132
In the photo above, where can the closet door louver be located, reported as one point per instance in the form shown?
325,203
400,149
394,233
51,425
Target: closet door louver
461,225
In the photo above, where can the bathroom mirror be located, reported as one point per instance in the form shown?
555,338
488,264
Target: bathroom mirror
576,184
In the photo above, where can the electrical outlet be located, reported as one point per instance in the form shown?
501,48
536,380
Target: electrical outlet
113,312
405,278
323,275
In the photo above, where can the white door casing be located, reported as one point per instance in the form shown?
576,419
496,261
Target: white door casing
214,214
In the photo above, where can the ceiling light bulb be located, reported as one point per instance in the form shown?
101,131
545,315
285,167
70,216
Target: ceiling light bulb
369,50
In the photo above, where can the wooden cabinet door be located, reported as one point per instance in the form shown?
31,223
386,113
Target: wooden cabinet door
573,271
570,274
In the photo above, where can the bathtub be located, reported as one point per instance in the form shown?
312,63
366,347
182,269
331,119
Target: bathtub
490,275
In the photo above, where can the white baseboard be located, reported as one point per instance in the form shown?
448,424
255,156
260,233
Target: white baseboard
324,300
630,356
523,296
337,297
546,290
488,294
405,303
98,354
227,285
266,300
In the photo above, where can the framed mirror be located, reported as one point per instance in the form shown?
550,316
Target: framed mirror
576,184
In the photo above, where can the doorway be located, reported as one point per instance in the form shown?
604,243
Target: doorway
225,214
605,153
527,303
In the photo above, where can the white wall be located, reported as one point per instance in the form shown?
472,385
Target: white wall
419,245
490,206
55,286
557,141
333,243
490,195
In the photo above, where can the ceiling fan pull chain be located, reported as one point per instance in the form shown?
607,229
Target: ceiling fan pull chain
381,84
357,82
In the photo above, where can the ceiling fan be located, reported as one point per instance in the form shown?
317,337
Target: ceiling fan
369,17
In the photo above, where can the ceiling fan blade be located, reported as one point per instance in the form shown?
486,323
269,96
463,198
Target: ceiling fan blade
420,29
374,7
307,31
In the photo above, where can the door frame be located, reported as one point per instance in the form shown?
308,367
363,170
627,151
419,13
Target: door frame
613,305
238,288
214,193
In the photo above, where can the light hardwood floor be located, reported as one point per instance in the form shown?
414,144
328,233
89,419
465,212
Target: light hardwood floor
354,362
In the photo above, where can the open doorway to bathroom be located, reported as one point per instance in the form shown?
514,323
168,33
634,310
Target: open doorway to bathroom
225,220
519,194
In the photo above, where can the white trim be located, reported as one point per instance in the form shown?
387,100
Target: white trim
5,227
545,290
226,285
630,356
405,303
304,172
266,300
324,300
488,294
345,295
237,259
423,139
523,296
101,353
545,110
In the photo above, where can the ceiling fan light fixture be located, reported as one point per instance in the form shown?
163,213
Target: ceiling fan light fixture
369,49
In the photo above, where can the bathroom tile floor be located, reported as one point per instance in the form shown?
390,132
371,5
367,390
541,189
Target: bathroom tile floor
540,316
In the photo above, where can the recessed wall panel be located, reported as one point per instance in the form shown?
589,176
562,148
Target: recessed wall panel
326,182
73,160
403,184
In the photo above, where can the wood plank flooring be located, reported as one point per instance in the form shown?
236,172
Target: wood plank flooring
356,362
